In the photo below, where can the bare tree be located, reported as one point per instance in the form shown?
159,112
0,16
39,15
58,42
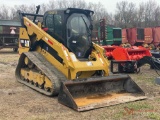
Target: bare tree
156,16
44,7
147,14
149,10
125,14
140,15
4,12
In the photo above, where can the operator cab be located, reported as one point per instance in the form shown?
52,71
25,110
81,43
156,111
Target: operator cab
71,27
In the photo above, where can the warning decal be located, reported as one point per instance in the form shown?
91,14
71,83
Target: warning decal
12,30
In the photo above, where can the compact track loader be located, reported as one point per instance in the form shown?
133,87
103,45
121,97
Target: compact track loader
57,57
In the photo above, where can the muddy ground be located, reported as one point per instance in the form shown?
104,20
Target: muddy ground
18,102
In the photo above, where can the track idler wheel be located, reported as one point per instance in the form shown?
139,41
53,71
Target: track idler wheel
29,63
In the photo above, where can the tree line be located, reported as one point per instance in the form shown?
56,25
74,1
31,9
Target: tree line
127,14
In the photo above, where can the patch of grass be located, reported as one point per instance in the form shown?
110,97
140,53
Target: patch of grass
139,105
118,115
144,80
158,99
154,116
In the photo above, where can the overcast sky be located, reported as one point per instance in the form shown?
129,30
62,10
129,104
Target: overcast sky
110,5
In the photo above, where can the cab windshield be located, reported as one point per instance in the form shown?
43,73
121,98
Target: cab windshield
79,35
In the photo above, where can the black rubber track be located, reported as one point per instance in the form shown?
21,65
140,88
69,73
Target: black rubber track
46,68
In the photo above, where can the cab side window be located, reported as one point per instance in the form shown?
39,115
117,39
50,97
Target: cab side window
58,25
54,25
49,21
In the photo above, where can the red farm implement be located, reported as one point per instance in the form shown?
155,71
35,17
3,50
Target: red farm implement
109,51
129,60
132,53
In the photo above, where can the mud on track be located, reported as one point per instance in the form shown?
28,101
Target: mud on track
18,102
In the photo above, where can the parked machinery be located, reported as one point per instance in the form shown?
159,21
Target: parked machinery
124,36
109,51
109,34
95,37
135,36
156,36
155,44
130,59
9,33
58,57
148,38
132,51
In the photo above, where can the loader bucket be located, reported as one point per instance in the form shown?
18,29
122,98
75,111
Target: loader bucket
91,93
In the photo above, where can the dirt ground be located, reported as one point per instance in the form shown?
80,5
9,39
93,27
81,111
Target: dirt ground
18,102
